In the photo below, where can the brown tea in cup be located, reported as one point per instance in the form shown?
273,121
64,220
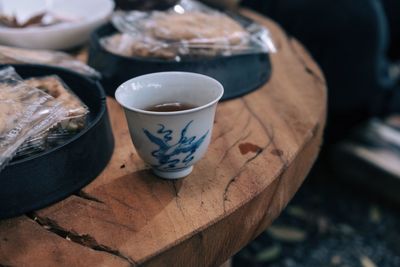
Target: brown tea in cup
170,107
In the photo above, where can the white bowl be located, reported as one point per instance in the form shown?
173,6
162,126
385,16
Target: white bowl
87,14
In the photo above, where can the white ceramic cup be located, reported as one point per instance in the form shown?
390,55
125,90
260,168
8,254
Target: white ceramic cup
170,142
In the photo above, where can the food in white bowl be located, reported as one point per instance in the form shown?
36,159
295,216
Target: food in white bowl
51,24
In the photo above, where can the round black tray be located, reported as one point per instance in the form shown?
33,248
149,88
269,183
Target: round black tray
239,74
40,180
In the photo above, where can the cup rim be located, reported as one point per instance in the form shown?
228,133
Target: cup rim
164,113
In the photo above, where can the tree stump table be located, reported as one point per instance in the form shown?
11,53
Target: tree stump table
262,148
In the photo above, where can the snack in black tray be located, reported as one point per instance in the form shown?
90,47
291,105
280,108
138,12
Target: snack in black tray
170,34
16,55
77,111
74,120
36,181
138,43
187,30
24,113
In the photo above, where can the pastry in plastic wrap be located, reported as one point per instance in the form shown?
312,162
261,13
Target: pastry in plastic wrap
14,55
24,113
196,27
126,45
76,111
189,29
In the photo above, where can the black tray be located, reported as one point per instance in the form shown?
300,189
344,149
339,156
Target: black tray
239,74
40,180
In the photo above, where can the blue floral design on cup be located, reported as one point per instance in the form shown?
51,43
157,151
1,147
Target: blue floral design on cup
167,153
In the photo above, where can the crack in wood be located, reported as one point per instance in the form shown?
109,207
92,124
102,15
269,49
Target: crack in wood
271,136
225,132
175,189
267,131
177,197
83,240
231,181
260,223
315,131
87,196
302,61
241,169
242,137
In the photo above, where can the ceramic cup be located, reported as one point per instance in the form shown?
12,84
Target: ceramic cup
170,142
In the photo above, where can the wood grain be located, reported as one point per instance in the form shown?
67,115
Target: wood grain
262,148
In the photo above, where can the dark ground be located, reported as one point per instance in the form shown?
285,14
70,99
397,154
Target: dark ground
329,223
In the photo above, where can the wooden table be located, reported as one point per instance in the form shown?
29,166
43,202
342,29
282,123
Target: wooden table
262,148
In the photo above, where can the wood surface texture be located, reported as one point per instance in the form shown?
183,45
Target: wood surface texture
262,148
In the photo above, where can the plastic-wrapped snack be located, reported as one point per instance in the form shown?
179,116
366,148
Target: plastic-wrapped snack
126,45
76,110
189,29
73,122
24,113
14,55
196,27
33,145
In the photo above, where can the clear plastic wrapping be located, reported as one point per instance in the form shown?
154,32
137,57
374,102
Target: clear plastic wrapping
189,29
33,145
25,112
76,110
74,120
13,55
